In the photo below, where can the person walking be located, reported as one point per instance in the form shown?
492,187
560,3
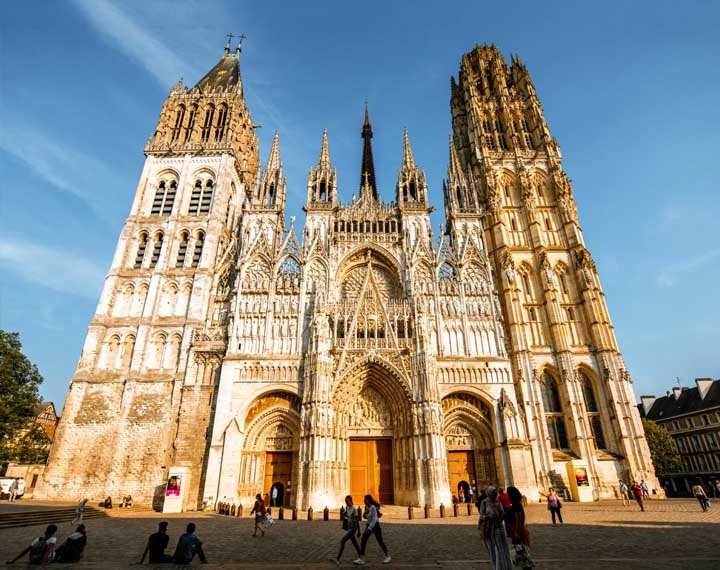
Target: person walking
372,514
554,505
624,493
518,531
79,512
351,526
700,495
637,493
259,510
717,489
274,496
492,532
188,546
644,487
461,495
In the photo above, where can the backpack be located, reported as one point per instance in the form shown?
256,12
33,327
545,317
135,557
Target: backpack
37,550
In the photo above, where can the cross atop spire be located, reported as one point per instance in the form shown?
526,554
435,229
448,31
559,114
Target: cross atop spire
367,172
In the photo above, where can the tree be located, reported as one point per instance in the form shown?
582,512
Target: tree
19,381
662,448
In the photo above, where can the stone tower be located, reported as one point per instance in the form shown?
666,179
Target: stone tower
144,392
571,381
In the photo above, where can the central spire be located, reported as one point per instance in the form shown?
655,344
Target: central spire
367,172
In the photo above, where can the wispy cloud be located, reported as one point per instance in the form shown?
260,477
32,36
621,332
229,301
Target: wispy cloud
54,268
67,169
138,42
669,275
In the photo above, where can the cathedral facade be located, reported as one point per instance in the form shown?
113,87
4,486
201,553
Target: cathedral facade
365,354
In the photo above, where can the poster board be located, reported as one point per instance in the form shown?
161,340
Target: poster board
176,488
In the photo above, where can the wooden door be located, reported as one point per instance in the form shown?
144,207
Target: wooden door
371,470
278,469
461,467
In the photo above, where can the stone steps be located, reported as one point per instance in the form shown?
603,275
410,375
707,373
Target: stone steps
46,517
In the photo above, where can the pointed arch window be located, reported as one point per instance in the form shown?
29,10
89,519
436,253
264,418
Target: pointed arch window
179,118
142,246
554,418
164,198
593,411
221,123
201,198
413,190
207,123
182,250
157,249
197,251
563,283
323,190
271,194
190,123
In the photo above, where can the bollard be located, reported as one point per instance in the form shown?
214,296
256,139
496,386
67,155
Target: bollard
427,512
326,514
342,513
240,510
455,509
410,513
442,511
281,514
310,514
294,513
469,508
232,511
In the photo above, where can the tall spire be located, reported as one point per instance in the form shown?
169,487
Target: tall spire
324,151
367,172
408,159
273,162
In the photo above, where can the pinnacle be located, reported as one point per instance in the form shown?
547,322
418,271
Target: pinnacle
273,162
408,159
454,167
324,151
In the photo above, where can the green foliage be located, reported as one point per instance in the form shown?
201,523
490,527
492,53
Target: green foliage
19,381
662,448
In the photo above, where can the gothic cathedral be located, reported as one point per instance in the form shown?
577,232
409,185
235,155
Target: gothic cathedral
370,356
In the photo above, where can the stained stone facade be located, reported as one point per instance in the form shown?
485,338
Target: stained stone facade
370,355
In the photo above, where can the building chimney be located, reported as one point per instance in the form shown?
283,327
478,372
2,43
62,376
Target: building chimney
703,385
647,403
676,392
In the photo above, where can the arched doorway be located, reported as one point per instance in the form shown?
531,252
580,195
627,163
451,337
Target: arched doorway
470,443
269,457
372,408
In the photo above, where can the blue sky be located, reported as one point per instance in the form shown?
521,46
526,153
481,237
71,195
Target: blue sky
630,90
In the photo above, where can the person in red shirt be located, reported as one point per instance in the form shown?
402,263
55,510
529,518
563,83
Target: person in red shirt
504,498
637,492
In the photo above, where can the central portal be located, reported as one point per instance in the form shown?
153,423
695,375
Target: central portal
371,470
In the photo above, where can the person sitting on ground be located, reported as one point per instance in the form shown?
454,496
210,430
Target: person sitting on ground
72,549
188,546
41,548
156,545
128,501
107,503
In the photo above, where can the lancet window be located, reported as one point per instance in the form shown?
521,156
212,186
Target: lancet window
207,123
182,250
164,198
197,252
190,123
142,246
179,118
221,123
593,412
157,248
201,198
554,418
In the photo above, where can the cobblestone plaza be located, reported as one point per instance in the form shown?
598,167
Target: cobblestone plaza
670,534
